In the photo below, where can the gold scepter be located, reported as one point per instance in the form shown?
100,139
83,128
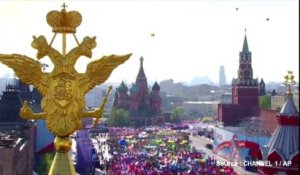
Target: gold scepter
103,104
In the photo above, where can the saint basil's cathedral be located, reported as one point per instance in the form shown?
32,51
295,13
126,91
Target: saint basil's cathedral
144,106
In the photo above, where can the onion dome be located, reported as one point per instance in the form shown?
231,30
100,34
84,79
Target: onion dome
155,87
122,87
134,89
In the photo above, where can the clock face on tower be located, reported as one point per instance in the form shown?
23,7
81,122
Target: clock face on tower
247,73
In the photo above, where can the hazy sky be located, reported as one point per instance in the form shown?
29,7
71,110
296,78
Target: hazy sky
192,38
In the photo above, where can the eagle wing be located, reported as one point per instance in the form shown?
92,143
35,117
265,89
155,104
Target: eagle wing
99,70
27,69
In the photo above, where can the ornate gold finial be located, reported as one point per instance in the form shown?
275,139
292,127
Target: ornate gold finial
63,21
64,6
289,80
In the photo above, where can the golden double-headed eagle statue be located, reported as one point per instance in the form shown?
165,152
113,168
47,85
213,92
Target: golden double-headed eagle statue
63,89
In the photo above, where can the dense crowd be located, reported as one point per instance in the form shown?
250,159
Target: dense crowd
161,151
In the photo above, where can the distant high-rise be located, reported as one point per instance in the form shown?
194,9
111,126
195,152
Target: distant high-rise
222,77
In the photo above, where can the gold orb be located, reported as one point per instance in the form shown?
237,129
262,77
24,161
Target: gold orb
62,144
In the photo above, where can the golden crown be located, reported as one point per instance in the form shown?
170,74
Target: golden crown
63,21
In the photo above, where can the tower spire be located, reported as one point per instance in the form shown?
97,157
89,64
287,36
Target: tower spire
141,73
141,63
245,45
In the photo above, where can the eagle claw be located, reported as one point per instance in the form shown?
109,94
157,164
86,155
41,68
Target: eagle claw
25,111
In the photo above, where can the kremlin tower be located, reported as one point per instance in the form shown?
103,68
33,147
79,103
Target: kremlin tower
245,92
144,107
282,150
245,88
262,88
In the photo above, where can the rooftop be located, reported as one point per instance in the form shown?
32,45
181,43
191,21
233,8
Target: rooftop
251,126
289,108
241,130
201,102
9,139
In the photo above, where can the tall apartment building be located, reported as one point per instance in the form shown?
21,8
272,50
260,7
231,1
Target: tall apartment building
222,77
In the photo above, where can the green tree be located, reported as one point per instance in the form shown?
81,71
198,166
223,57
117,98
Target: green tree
207,119
176,115
43,163
265,102
119,117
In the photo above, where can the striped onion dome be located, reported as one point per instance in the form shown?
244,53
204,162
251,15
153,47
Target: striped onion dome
155,87
133,89
122,87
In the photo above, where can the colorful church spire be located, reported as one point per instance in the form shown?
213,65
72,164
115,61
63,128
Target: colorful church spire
141,75
141,80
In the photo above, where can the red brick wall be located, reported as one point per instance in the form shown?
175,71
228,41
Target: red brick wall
227,113
247,96
269,119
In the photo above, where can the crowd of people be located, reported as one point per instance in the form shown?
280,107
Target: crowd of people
161,151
